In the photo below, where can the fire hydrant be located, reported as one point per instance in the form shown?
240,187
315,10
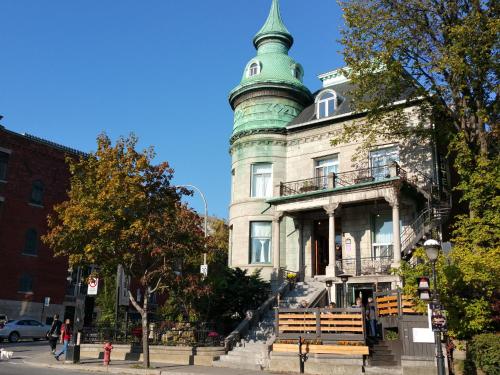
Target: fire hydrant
107,353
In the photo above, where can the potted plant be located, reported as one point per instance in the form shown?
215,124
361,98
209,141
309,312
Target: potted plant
292,279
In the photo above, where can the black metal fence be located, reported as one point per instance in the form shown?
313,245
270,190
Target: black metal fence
159,333
343,179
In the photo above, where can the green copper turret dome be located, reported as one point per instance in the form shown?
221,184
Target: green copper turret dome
274,28
272,65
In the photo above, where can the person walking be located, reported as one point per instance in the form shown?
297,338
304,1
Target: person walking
54,333
65,337
371,317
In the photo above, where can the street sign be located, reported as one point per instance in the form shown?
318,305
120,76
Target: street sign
46,302
93,285
204,269
438,320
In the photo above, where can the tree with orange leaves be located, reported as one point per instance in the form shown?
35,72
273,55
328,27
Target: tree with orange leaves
123,210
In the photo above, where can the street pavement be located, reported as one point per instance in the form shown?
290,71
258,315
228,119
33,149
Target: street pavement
34,358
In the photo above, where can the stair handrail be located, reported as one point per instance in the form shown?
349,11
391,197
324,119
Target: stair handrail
413,230
252,316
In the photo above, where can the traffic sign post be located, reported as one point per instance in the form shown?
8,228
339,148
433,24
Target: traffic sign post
93,286
204,270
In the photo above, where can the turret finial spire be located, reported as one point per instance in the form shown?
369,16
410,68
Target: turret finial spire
274,28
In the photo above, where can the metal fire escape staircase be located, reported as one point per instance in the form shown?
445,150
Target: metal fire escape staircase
435,213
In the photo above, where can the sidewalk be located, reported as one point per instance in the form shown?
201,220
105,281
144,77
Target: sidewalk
133,367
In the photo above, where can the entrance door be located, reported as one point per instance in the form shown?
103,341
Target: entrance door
363,291
320,247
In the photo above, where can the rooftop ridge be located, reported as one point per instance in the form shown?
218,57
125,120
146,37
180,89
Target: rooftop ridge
54,144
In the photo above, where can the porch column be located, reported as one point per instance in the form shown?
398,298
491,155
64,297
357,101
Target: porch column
396,233
330,210
276,240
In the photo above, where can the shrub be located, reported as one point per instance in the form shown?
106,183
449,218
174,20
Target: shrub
483,352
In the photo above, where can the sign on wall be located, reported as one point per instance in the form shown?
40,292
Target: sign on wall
93,285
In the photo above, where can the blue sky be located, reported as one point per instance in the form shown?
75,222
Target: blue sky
159,68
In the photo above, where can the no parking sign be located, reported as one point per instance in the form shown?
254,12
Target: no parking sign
93,285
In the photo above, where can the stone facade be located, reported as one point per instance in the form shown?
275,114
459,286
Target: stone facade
34,178
319,221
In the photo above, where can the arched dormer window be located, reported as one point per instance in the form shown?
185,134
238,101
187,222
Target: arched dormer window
253,69
326,103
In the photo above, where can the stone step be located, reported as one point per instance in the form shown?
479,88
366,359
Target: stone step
238,365
381,351
380,370
377,363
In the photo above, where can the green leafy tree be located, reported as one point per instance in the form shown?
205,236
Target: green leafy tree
439,58
122,209
106,300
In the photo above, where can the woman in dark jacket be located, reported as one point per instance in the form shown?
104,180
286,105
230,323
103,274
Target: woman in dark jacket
54,333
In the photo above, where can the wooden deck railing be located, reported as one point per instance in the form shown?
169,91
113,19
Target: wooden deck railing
394,303
321,324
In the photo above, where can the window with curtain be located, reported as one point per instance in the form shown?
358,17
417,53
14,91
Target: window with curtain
4,160
31,242
26,283
324,167
382,235
262,180
380,161
37,192
260,242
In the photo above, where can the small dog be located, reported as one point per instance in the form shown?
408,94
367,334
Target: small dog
5,354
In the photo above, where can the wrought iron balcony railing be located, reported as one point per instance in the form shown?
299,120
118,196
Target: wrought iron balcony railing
343,179
364,266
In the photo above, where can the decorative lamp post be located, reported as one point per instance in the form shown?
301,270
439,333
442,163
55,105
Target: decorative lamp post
432,248
329,283
344,277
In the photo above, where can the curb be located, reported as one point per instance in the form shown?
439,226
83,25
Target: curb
109,370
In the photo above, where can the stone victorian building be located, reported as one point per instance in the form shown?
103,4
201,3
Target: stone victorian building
300,204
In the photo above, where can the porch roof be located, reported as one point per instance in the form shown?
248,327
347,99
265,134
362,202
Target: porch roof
334,191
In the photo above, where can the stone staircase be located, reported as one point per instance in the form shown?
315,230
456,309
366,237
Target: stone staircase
382,355
252,352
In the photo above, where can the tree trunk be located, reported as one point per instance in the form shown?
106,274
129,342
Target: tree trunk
144,319
145,331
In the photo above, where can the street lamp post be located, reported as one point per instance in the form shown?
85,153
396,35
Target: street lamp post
432,250
204,202
344,277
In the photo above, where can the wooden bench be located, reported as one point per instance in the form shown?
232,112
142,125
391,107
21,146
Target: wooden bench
322,349
325,324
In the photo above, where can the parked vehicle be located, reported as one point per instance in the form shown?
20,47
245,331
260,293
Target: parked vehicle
14,330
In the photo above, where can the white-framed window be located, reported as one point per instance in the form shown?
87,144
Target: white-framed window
260,242
323,167
253,69
382,235
380,160
262,180
326,103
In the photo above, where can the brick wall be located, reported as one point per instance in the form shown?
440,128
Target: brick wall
30,160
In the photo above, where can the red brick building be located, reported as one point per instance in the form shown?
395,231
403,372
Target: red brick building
33,178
